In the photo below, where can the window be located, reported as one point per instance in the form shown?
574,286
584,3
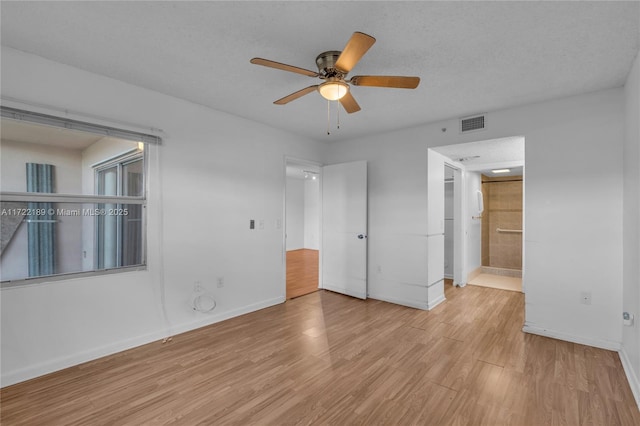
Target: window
72,198
119,236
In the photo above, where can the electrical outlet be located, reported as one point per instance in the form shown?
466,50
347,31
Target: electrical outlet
585,297
220,282
261,224
252,224
197,286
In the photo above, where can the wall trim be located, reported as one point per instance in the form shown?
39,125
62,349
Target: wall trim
436,302
208,319
632,378
41,369
404,302
560,335
356,294
410,303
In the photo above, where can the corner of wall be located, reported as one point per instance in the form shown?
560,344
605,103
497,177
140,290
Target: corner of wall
630,350
632,378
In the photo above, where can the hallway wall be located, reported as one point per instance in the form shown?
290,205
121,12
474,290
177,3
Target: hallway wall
294,214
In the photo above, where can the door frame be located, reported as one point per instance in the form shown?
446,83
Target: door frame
466,210
459,225
304,162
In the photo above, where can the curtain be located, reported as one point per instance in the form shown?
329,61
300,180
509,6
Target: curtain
41,222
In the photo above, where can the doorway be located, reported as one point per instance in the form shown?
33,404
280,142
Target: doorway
325,232
501,221
492,220
454,243
302,227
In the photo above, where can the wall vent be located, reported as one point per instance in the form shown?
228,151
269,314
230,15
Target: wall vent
469,124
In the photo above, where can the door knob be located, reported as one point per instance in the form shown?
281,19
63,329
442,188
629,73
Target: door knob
361,236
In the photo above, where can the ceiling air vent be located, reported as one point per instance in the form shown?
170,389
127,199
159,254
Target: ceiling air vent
470,124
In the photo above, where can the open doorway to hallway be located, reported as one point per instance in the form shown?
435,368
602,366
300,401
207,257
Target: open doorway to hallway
492,212
302,227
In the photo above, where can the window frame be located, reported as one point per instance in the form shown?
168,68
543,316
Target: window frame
144,141
119,162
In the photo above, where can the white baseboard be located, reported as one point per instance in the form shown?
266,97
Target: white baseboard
208,319
632,377
33,371
356,294
436,302
37,370
408,303
560,335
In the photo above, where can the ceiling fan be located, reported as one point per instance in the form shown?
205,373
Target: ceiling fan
333,67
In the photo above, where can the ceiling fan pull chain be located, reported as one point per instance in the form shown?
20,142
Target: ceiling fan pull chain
328,116
338,113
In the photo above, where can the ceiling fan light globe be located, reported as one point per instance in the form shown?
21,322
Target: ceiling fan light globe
333,90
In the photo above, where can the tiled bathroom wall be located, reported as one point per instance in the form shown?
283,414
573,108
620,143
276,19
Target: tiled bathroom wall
503,209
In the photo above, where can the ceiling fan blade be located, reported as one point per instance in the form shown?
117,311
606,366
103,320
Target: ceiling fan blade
296,95
349,103
284,67
355,49
386,81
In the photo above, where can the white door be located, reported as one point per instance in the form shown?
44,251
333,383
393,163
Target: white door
344,228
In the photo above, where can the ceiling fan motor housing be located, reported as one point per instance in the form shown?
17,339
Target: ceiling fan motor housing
326,62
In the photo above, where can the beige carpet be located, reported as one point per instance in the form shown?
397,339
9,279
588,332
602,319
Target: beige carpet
498,281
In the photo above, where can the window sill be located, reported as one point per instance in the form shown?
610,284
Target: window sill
25,282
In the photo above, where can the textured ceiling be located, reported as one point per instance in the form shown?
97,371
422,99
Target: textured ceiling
471,56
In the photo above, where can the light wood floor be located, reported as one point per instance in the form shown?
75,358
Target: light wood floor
501,282
330,359
302,272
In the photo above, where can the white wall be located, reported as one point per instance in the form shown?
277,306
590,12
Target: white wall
14,263
303,214
212,173
295,202
397,227
573,210
16,154
312,214
631,222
